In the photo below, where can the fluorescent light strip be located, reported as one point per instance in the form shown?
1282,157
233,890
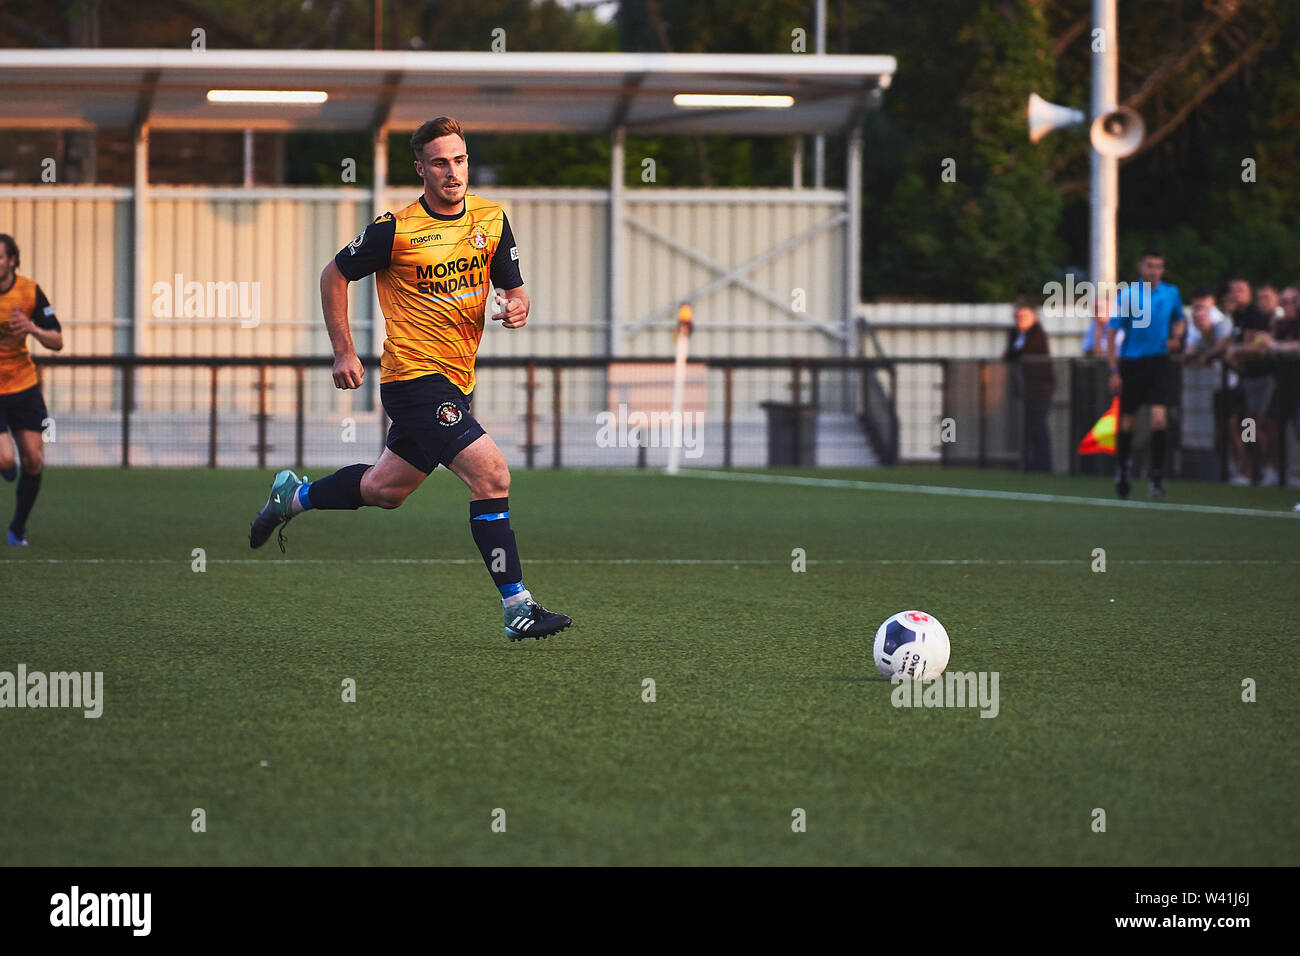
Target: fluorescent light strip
732,101
267,96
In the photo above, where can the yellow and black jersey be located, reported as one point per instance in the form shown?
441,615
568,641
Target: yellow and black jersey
17,373
432,273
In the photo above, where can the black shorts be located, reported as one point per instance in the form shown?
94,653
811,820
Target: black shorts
1143,381
432,423
23,410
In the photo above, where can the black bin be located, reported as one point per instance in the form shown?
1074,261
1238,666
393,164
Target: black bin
791,434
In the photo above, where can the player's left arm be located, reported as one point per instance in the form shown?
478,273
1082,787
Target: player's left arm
42,323
512,302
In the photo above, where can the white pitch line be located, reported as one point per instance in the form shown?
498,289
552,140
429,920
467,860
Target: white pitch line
659,561
981,493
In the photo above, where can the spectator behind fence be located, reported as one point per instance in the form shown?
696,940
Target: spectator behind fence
1033,381
1209,338
1254,343
1286,339
1287,328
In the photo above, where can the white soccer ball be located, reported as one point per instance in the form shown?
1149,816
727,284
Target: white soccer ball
913,644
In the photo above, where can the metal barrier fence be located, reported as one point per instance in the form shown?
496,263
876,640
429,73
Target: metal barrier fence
240,411
584,412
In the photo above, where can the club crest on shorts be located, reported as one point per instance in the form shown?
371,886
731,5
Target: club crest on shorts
448,414
478,237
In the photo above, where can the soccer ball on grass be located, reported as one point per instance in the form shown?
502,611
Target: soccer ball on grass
912,644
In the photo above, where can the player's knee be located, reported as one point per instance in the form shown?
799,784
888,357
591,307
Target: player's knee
380,495
32,463
496,483
391,497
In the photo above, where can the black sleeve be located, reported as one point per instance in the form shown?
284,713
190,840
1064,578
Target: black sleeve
370,251
43,316
505,263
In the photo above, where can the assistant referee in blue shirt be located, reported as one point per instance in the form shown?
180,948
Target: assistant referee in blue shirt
1150,313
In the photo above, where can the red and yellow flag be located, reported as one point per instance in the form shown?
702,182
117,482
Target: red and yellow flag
1101,440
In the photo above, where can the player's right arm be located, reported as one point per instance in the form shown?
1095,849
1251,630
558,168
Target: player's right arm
366,254
348,372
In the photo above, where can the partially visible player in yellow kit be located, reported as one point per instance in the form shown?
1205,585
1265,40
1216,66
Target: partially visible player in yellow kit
432,263
24,311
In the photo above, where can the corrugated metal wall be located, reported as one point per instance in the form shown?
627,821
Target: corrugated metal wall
671,258
215,252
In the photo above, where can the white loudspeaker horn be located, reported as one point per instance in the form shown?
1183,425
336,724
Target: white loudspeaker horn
1045,117
1118,132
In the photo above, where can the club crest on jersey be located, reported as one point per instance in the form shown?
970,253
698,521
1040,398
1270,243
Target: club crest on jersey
355,244
448,414
479,238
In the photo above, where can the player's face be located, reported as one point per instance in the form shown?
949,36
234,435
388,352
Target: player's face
6,265
1151,268
445,171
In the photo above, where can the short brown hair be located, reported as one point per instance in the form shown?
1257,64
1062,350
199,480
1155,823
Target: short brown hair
433,129
11,247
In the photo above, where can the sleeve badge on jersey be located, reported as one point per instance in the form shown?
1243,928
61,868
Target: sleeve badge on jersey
514,253
355,244
479,238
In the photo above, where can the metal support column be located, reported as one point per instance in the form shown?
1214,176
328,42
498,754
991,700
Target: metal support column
140,240
852,234
614,263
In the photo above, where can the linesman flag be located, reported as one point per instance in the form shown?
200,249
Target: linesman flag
1101,440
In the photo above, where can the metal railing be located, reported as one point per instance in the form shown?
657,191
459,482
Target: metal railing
241,410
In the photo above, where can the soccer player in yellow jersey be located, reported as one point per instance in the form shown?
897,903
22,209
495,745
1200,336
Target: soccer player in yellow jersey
24,311
432,262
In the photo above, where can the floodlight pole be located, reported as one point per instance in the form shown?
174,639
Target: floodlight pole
1104,170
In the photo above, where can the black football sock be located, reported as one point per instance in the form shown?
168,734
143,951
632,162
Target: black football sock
1123,445
1157,453
10,473
340,491
489,523
28,486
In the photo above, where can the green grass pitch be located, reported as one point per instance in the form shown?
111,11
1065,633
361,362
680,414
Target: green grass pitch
1120,690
